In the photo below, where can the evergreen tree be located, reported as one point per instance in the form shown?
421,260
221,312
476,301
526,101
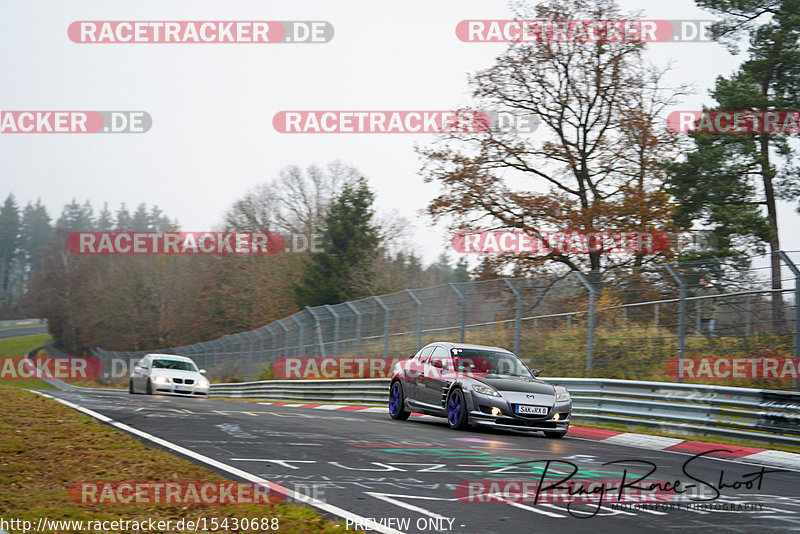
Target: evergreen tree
343,269
731,182
105,222
9,243
123,223
76,217
35,234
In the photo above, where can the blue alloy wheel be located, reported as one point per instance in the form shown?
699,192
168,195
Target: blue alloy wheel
457,410
397,402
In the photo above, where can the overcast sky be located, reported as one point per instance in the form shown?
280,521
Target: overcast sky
212,105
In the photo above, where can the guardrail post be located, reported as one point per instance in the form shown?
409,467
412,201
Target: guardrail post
796,349
336,318
318,328
590,334
387,323
463,299
358,327
517,313
420,317
681,317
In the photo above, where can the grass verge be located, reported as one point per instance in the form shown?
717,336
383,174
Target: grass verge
47,447
15,347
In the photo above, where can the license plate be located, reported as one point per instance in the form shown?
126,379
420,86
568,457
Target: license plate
532,410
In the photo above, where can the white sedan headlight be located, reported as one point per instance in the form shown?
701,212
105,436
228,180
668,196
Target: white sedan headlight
485,390
562,396
161,380
203,383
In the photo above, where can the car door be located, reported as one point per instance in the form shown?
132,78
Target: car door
415,373
140,374
437,371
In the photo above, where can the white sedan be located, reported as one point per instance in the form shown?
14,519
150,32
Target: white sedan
168,373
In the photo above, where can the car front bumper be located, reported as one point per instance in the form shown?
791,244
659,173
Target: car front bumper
480,414
181,390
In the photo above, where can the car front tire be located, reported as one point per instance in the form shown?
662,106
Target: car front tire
457,416
397,406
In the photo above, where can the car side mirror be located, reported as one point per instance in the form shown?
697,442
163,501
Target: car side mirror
202,371
535,372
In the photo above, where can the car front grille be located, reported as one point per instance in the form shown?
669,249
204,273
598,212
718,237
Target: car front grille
183,381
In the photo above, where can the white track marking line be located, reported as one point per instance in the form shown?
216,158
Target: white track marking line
388,498
335,510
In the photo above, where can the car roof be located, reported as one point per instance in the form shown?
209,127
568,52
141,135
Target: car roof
451,345
173,356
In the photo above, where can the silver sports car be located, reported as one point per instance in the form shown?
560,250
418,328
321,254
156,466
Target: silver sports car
477,385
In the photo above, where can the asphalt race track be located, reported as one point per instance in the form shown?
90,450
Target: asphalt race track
396,472
22,331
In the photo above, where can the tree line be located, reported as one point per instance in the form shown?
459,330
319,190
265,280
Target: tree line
602,159
142,302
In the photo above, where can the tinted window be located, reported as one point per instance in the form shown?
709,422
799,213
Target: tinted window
424,353
180,365
490,362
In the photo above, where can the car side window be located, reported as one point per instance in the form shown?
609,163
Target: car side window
440,351
441,358
424,353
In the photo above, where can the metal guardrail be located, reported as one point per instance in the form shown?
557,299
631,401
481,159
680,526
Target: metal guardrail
767,416
372,391
23,322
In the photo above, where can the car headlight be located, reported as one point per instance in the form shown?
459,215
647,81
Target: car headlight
485,390
203,383
562,396
161,380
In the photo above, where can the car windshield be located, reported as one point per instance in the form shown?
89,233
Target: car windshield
487,362
180,365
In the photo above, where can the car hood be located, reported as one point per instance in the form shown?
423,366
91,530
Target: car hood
525,385
176,373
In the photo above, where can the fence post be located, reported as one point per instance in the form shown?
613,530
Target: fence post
387,323
590,334
250,347
796,349
420,317
358,326
656,315
336,318
748,311
294,318
318,328
285,338
681,317
517,313
463,300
